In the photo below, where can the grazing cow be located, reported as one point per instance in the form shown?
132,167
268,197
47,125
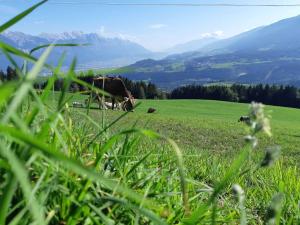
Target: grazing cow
114,86
109,105
245,119
151,110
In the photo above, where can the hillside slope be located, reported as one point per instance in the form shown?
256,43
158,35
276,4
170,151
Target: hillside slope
282,35
269,54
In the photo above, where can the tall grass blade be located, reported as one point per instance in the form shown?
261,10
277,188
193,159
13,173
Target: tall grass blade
17,52
22,177
20,16
66,85
155,219
7,197
233,171
6,91
25,87
133,168
72,164
55,45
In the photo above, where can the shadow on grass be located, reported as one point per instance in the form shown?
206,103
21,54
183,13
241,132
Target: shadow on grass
91,107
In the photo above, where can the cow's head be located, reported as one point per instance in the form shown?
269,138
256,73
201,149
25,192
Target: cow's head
129,103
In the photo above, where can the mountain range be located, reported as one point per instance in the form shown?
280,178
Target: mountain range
268,54
282,35
191,46
99,52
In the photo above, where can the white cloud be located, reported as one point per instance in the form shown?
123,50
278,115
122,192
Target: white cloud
128,37
102,31
218,33
157,26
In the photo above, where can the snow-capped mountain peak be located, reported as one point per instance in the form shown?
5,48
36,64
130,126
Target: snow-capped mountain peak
62,36
102,51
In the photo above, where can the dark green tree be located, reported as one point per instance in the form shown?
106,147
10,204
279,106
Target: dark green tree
2,76
11,74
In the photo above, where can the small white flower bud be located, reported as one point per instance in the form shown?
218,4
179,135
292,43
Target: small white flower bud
238,192
251,139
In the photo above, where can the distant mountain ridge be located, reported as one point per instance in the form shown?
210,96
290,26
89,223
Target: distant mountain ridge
268,54
194,45
101,51
281,35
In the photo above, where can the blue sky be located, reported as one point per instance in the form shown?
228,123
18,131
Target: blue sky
154,27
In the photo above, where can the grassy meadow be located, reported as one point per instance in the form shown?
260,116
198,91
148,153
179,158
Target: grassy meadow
212,126
189,163
210,136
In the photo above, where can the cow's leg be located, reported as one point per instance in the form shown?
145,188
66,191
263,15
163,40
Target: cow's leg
113,100
100,102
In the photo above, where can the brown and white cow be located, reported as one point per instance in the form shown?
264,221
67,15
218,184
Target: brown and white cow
116,88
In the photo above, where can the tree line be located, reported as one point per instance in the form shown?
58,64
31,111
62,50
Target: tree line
9,75
139,89
288,96
144,90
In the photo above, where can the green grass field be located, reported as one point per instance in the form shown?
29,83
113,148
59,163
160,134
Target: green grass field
92,156
210,137
65,165
203,125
